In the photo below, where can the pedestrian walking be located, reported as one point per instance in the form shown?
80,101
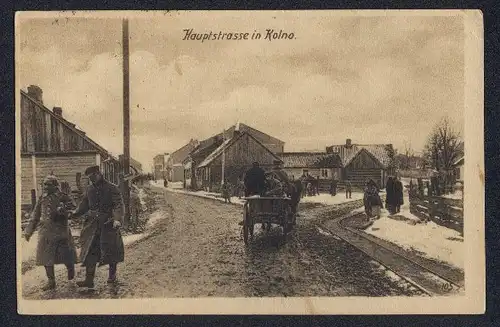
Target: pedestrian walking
226,191
371,200
55,242
348,189
390,198
333,187
101,239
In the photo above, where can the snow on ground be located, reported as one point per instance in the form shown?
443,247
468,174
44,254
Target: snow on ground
456,196
326,199
431,240
331,200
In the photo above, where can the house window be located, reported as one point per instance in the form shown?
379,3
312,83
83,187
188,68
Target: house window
305,171
324,173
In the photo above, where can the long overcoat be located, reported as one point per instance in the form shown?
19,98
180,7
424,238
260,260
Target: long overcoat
398,193
102,204
55,243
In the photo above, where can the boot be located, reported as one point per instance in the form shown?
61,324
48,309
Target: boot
89,278
51,284
112,273
71,271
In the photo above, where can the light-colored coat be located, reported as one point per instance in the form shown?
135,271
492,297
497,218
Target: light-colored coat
55,242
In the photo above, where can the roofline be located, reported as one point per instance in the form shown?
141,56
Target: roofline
277,139
303,153
360,144
232,141
458,160
67,124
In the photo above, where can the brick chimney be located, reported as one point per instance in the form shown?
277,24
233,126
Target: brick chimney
36,93
57,111
348,143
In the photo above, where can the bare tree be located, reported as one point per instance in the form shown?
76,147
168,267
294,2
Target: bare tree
444,146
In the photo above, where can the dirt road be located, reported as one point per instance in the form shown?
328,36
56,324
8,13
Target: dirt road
196,250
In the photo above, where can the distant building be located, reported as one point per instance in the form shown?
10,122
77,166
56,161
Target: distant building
135,165
52,144
242,146
459,169
316,164
361,162
160,165
175,160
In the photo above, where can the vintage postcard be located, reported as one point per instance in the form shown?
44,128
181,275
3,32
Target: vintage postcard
250,162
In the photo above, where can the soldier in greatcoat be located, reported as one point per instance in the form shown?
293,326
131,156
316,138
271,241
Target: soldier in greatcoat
55,243
101,239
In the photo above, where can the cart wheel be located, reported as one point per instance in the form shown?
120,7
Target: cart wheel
245,224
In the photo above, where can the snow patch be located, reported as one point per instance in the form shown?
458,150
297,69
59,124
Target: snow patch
323,232
430,240
332,200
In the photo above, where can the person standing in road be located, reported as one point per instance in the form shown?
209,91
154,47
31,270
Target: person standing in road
55,242
101,239
398,194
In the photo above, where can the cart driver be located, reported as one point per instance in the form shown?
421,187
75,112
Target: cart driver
255,180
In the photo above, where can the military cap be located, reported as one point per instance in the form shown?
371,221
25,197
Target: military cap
91,170
50,179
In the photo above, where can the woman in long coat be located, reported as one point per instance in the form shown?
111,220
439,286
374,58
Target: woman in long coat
390,198
55,242
398,195
371,199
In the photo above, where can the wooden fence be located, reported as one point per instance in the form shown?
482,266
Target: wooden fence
443,211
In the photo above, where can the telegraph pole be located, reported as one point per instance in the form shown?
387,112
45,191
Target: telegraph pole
126,119
223,156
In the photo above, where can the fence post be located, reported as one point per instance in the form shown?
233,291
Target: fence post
33,199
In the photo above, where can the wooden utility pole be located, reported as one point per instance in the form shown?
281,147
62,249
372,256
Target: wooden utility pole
126,119
223,156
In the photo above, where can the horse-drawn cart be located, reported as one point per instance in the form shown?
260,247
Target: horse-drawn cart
267,211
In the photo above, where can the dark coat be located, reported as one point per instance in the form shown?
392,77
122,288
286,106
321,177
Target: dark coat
103,203
398,193
255,181
55,243
389,191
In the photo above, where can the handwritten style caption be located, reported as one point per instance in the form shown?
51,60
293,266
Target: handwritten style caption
269,34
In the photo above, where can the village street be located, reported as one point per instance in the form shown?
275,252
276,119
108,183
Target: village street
196,250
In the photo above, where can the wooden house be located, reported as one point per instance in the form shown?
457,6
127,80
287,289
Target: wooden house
175,166
160,165
459,169
316,164
51,144
361,162
239,152
263,149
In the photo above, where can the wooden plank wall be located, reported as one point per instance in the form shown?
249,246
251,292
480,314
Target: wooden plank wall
65,167
42,132
444,212
26,180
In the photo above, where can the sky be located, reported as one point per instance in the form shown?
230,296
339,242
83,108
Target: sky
384,79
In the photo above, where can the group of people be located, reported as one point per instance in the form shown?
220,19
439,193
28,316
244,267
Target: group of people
393,201
101,241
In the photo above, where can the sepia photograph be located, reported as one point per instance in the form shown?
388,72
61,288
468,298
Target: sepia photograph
237,162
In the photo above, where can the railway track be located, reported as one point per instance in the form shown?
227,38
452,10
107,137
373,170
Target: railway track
430,281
